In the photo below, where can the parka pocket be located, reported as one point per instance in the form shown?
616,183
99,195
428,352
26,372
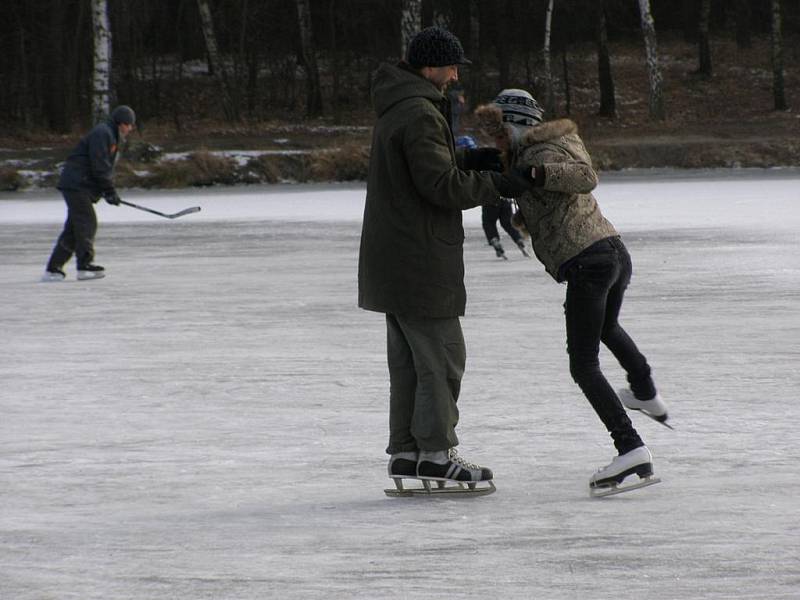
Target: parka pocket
446,227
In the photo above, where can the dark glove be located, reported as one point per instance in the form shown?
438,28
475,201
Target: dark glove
483,159
112,198
514,182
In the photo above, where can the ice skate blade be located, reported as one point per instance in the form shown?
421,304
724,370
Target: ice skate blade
659,420
90,275
612,489
441,488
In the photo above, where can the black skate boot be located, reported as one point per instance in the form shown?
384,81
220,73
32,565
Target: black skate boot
498,248
523,248
447,465
53,274
607,480
90,272
403,465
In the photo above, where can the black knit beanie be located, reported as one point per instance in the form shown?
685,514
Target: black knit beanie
435,47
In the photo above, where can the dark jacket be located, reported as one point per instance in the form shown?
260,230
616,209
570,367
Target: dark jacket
411,258
90,166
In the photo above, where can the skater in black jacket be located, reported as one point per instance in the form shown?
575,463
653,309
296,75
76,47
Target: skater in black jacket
85,178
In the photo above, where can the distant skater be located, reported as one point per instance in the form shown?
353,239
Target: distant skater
492,213
578,245
85,178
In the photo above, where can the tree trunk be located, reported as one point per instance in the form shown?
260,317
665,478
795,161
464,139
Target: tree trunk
743,24
309,56
778,91
502,43
608,101
215,65
550,96
567,90
334,50
475,70
410,23
56,86
703,42
651,50
101,80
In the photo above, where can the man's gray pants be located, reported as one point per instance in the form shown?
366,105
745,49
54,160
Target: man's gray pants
426,362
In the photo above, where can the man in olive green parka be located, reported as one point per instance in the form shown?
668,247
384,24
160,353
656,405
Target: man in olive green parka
411,263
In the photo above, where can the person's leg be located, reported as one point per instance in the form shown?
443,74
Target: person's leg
65,244
84,226
617,340
505,222
439,355
489,216
402,388
589,281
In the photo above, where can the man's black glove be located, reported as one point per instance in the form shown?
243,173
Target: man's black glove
112,198
483,159
516,181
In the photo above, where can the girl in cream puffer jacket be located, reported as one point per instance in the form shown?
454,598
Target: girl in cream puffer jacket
577,244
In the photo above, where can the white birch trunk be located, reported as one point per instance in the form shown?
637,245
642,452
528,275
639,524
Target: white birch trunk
653,71
313,85
212,49
550,96
215,65
410,23
101,79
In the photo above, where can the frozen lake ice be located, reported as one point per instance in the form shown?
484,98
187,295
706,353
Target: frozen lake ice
209,420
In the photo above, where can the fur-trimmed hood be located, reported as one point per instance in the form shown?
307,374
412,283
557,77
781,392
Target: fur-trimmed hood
490,120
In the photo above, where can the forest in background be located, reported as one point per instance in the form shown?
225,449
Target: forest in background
264,91
291,60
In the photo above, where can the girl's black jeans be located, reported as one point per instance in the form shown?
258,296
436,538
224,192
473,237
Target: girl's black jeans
596,283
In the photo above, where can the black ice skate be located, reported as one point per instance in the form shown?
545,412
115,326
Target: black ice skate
403,465
52,274
607,481
90,272
442,468
523,248
654,407
498,248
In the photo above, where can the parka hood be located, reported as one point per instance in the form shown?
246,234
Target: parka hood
490,119
394,83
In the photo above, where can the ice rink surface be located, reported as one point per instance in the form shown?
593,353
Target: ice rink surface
209,421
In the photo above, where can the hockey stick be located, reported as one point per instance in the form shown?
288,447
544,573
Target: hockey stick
180,213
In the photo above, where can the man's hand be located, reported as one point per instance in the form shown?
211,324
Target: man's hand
515,182
112,198
483,159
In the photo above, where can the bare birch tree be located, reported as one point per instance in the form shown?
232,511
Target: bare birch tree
101,77
410,23
651,50
215,65
608,101
309,56
778,90
703,41
550,96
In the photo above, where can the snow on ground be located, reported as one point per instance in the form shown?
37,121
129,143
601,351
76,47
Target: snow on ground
209,420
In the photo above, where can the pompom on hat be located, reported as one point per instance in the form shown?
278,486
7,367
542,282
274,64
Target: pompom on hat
435,47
